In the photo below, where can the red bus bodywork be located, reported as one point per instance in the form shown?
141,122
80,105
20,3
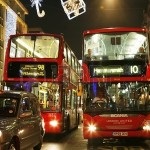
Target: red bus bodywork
42,60
119,122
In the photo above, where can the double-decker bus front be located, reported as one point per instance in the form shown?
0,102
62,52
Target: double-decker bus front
37,63
116,79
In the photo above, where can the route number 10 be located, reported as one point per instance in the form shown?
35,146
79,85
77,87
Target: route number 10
134,69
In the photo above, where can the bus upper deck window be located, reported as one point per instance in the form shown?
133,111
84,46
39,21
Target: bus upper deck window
115,40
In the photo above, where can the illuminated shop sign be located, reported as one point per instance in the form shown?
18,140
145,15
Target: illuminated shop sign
116,70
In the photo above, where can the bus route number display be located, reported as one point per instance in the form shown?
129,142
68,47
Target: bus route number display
117,70
32,70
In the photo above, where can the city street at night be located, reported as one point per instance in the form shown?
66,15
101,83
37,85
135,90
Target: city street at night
74,74
75,141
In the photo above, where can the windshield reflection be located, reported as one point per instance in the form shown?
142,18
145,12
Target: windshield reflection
115,46
129,96
8,107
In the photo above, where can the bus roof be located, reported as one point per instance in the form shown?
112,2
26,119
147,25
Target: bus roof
114,29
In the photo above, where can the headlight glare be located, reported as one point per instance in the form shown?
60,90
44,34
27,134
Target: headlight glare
53,123
146,125
92,128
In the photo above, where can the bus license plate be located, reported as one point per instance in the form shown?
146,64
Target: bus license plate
120,133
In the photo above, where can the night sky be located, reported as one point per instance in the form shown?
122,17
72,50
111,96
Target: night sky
99,14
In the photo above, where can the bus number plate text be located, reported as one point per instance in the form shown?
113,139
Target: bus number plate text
120,133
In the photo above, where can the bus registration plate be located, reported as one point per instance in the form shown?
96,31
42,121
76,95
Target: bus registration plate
120,133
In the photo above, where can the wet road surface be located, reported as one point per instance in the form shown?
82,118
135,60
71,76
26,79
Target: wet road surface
75,141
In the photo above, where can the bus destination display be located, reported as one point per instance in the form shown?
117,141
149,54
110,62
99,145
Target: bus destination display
116,70
33,70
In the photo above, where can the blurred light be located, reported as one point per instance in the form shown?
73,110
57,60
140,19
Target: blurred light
21,131
11,22
110,4
147,125
1,133
53,123
92,127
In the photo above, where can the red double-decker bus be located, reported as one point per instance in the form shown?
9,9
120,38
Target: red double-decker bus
45,65
116,80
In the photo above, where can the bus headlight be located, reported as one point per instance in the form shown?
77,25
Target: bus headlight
146,125
53,123
91,127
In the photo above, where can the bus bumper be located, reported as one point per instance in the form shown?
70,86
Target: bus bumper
115,134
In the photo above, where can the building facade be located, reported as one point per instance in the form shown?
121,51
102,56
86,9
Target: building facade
12,21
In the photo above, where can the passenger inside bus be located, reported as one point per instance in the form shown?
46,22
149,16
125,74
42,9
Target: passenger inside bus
141,54
100,96
143,96
89,56
50,101
121,102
